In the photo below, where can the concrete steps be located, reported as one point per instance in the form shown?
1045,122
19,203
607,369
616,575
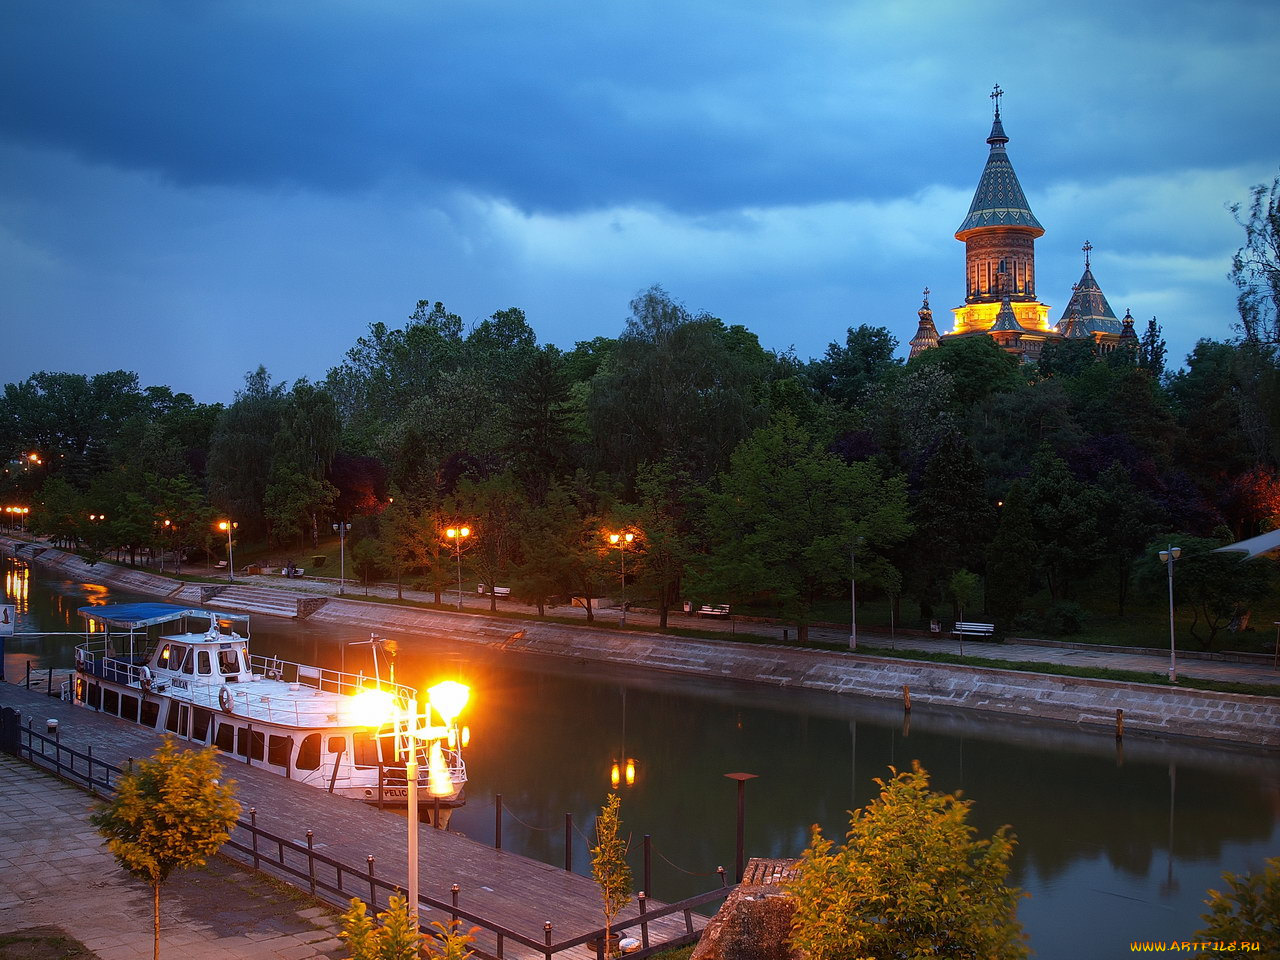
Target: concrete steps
261,600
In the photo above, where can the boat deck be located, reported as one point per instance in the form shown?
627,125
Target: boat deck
521,893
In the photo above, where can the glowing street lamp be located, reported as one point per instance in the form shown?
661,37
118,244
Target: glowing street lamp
1168,558
456,535
376,708
621,540
228,526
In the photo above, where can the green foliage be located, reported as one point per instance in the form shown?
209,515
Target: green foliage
1247,911
847,372
1219,587
1255,268
784,517
609,866
394,936
170,812
911,881
675,385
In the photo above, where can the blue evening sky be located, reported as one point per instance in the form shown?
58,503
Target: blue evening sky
191,189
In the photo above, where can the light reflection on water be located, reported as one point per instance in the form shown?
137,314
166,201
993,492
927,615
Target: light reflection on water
1114,846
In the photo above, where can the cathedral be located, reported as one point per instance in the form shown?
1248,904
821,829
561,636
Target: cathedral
999,236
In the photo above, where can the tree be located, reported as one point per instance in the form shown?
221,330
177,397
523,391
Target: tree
675,385
243,449
1152,350
170,812
846,373
1247,912
783,517
394,936
1219,587
609,866
910,882
1255,269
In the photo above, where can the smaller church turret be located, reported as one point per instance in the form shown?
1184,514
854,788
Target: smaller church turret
926,334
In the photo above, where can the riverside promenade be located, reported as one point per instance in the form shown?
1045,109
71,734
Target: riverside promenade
1147,704
61,872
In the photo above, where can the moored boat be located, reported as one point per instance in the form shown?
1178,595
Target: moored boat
189,672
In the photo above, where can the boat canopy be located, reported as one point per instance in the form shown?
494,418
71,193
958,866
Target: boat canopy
137,616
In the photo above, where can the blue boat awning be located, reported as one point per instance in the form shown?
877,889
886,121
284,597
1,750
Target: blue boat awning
135,616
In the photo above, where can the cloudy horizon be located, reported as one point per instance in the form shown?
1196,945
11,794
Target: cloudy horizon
192,190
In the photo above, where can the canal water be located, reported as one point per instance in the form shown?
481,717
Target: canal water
1114,845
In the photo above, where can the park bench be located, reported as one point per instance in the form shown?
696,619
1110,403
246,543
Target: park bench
713,610
497,591
962,629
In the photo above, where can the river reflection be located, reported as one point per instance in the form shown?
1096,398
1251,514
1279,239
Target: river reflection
1112,846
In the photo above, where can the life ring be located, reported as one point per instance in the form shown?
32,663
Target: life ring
144,675
273,674
225,700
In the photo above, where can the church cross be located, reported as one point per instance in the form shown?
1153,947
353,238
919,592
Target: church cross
1086,248
996,94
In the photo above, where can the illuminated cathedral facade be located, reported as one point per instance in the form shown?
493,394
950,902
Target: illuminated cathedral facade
999,236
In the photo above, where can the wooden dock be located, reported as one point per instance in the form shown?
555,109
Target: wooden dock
518,893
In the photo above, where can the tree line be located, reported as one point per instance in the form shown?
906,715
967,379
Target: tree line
746,475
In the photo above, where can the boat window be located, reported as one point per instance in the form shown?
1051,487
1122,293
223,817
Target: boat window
226,737
366,750
150,712
200,726
278,750
188,660
206,665
228,661
94,696
177,718
249,743
110,701
337,744
129,708
309,752
174,657
163,659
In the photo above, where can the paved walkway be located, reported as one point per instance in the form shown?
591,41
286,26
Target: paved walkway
55,870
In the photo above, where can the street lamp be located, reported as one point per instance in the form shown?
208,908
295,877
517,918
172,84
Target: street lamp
853,594
1168,558
341,529
456,535
621,540
228,526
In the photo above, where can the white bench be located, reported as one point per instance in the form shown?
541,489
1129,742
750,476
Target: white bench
713,610
962,629
497,591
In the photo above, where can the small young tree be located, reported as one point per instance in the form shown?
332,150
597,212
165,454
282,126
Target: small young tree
609,866
393,937
910,882
170,812
1248,912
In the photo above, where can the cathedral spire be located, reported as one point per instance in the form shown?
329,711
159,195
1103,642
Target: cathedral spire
926,334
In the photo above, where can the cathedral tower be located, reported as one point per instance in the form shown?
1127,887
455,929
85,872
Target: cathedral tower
999,235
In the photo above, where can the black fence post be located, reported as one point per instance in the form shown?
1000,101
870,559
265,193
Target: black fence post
253,832
311,861
373,888
648,850
453,894
644,924
568,842
497,822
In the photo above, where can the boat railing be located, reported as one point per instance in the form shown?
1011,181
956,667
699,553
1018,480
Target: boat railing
322,678
99,658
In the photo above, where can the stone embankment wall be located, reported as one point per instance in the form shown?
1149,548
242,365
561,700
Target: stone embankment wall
1089,703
